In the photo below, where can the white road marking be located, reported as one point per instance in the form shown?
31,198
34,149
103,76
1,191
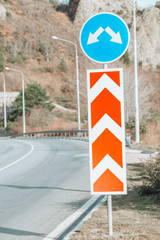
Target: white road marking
81,155
104,199
66,223
20,159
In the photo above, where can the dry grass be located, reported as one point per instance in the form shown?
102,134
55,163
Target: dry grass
135,217
126,226
43,120
34,22
61,124
152,137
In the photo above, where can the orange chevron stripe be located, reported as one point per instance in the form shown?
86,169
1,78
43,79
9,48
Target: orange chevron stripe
108,182
94,77
105,102
105,144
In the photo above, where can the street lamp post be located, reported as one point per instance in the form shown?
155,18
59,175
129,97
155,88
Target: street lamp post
4,100
23,98
137,135
77,74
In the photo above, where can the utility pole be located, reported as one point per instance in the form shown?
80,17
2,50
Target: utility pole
137,135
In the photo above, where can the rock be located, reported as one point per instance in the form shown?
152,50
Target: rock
148,25
148,39
2,13
73,5
157,4
88,8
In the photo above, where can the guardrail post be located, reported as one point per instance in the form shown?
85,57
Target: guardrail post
60,133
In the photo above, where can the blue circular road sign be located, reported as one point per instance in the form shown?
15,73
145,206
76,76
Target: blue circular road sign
104,37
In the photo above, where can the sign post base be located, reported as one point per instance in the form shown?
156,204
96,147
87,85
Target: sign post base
110,225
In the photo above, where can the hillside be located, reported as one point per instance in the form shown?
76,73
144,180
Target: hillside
148,22
27,28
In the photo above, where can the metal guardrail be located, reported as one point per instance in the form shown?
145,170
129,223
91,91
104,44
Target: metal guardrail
57,133
61,134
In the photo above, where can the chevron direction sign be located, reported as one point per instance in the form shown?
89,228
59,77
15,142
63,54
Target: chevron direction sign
106,131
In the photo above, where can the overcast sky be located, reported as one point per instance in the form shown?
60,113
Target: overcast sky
141,3
146,3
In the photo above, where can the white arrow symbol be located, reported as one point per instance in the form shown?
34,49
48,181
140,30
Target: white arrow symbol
93,37
115,36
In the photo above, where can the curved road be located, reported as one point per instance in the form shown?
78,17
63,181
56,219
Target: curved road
42,182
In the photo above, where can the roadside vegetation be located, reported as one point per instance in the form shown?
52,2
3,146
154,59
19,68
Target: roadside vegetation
151,178
136,216
149,130
35,96
36,99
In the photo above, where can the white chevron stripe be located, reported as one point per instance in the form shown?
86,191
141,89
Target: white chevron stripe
103,123
107,163
105,82
106,122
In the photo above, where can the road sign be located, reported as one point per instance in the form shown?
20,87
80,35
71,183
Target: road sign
104,37
106,131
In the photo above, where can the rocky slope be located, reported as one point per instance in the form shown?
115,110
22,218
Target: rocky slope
88,8
148,39
148,26
2,13
27,28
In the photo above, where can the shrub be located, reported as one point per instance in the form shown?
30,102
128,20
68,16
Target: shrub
19,58
65,89
47,69
42,48
139,12
62,99
35,96
126,58
63,66
151,180
130,125
120,12
8,14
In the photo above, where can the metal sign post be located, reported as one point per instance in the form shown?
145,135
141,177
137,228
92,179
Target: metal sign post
104,38
110,224
106,134
109,202
137,130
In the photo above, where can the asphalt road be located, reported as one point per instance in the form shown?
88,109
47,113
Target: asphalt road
42,182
